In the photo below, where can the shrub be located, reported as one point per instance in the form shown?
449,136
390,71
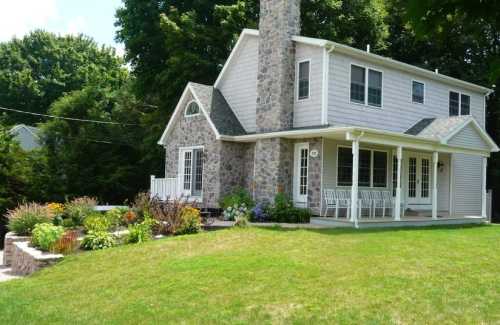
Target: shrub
283,211
129,217
98,240
190,221
23,219
236,211
115,216
67,243
79,208
140,232
96,222
241,222
238,197
45,235
168,215
142,206
260,213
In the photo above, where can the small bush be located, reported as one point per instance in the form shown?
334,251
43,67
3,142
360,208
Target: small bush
140,232
142,206
283,211
129,217
260,213
238,197
236,211
168,215
241,222
23,219
190,221
96,222
95,240
115,216
68,243
78,209
45,236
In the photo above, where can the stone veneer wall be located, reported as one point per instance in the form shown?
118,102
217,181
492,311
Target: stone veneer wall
236,166
8,253
195,131
27,260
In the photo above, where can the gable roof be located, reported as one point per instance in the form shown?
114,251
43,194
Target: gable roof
31,129
341,48
213,106
444,129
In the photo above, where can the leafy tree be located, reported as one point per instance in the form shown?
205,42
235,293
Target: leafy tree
39,68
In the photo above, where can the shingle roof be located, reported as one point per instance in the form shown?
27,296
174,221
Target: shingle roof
218,109
438,128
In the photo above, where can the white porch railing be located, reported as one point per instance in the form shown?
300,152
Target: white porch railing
163,188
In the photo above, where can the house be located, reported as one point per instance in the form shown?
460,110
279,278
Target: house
321,121
27,136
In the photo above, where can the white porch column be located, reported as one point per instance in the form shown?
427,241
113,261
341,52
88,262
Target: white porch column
435,159
483,188
397,207
354,187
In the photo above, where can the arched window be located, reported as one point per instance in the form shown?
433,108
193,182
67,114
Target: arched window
192,108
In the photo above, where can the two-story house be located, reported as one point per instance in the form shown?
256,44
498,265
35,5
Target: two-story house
332,126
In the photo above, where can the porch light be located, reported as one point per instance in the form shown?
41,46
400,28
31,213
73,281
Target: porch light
440,166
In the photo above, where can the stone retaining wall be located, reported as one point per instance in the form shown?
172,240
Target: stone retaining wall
27,260
8,250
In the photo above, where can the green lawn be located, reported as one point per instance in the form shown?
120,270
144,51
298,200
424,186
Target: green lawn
432,275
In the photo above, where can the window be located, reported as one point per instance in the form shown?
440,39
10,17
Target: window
394,174
360,89
464,105
374,88
454,103
303,79
417,92
304,153
192,169
372,170
192,109
357,84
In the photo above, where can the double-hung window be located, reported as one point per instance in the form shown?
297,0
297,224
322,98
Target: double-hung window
303,81
366,93
191,162
372,170
459,104
417,92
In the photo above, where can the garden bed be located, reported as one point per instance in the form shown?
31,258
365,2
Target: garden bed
27,259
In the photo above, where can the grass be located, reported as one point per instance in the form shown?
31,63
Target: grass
431,275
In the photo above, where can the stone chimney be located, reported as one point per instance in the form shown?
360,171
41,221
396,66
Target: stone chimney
279,21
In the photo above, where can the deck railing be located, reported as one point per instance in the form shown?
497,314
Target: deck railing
163,188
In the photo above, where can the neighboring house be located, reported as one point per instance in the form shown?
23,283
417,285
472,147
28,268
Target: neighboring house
310,117
27,136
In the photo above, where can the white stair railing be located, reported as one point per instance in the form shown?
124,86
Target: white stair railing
163,188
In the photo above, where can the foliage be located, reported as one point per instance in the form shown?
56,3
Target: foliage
95,240
283,211
115,216
168,215
96,222
46,235
79,208
68,243
140,232
129,217
238,197
241,222
259,213
142,205
23,219
190,221
236,211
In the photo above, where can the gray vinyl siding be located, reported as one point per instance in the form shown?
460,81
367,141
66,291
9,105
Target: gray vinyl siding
468,137
398,113
239,85
443,183
467,184
307,112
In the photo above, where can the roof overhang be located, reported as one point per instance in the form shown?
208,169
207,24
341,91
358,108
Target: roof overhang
367,135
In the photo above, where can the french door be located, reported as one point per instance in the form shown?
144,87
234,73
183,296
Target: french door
300,170
191,171
418,178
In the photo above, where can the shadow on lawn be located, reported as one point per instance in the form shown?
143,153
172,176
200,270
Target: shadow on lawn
348,231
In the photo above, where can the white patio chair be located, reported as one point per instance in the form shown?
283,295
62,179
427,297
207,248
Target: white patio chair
330,202
343,201
365,201
390,203
379,202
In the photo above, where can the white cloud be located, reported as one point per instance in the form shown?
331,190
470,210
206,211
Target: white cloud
76,26
18,17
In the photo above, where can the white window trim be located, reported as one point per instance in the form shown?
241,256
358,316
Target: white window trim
367,69
411,91
296,172
186,107
297,81
372,150
180,173
460,93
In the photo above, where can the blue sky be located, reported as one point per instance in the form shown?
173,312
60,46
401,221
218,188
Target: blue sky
91,17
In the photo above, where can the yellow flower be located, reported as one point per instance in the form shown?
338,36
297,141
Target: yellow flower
55,208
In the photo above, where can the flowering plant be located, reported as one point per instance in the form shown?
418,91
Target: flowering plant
236,211
55,208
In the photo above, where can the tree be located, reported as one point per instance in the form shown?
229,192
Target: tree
39,68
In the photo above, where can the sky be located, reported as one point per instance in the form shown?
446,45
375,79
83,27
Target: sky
94,18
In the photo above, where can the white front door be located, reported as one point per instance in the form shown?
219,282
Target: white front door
419,169
300,170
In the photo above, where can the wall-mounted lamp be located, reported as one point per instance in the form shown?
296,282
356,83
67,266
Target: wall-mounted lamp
440,166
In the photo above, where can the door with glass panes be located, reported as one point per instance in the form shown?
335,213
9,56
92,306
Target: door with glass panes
418,167
191,171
